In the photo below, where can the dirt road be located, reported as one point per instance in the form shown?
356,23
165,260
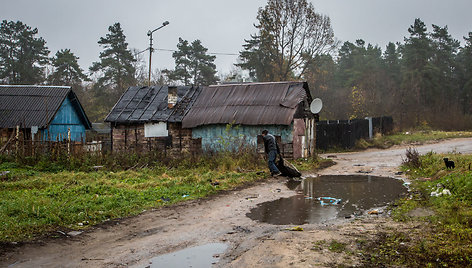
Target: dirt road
222,219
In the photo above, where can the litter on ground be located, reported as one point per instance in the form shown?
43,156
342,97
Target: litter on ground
438,192
325,201
296,228
374,212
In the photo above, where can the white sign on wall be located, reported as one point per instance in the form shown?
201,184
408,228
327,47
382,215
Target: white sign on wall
152,130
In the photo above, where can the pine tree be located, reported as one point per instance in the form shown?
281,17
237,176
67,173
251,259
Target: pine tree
115,67
258,58
115,70
392,65
360,73
193,66
445,50
419,75
23,56
66,69
204,72
182,63
465,75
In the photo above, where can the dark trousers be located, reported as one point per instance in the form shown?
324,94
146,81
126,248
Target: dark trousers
271,161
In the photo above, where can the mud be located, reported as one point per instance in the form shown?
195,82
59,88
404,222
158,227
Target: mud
134,241
354,195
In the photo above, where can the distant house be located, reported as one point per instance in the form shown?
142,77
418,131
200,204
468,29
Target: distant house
99,132
280,107
150,118
42,113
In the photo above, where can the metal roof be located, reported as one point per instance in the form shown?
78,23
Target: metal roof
273,103
149,104
27,106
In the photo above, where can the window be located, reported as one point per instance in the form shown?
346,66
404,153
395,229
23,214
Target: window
152,130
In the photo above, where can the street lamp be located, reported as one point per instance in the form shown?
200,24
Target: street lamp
150,46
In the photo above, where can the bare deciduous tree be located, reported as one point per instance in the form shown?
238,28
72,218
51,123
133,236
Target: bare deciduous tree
291,33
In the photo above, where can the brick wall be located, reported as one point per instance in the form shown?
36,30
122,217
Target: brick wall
131,138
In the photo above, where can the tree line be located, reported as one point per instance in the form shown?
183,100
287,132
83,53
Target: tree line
24,59
426,80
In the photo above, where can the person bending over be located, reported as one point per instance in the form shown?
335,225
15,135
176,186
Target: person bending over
272,150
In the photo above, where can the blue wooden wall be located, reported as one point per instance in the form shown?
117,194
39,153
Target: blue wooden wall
216,137
66,117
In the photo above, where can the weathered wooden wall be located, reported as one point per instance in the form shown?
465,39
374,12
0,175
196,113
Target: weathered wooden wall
66,118
126,137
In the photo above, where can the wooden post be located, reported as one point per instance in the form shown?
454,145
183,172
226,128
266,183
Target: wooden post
68,142
33,149
17,139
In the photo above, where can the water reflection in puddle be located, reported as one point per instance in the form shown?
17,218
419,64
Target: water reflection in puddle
357,193
195,257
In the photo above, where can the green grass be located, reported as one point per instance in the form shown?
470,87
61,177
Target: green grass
46,196
335,246
312,163
410,137
444,239
35,201
426,135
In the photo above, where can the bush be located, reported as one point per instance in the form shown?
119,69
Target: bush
412,158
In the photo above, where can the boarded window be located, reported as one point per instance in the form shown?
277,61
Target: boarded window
152,130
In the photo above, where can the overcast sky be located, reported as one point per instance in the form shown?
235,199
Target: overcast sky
221,25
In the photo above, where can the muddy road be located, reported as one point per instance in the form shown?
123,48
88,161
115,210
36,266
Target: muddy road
222,219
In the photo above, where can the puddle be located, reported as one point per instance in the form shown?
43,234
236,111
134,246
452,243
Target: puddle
197,257
358,193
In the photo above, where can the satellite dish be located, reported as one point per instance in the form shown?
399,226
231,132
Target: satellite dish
316,105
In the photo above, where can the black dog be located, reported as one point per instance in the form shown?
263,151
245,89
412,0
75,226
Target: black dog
449,164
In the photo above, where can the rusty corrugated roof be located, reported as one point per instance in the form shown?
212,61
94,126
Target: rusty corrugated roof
27,106
149,104
272,103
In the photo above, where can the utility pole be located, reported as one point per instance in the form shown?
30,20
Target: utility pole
150,47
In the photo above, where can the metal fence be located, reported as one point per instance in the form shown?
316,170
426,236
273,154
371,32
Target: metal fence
345,133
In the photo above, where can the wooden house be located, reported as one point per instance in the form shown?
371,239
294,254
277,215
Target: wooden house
150,118
283,108
42,113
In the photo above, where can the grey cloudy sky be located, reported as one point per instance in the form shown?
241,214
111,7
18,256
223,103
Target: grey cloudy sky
221,25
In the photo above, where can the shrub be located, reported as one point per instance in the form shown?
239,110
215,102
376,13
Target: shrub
412,158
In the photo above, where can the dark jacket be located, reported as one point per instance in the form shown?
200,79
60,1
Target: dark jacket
270,144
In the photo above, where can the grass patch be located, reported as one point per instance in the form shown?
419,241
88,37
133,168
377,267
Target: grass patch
312,163
409,137
35,200
337,247
443,239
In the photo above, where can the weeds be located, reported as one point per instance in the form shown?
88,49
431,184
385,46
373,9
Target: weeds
56,191
66,194
442,239
412,158
335,246
311,163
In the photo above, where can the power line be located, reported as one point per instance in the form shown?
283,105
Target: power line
173,50
141,51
